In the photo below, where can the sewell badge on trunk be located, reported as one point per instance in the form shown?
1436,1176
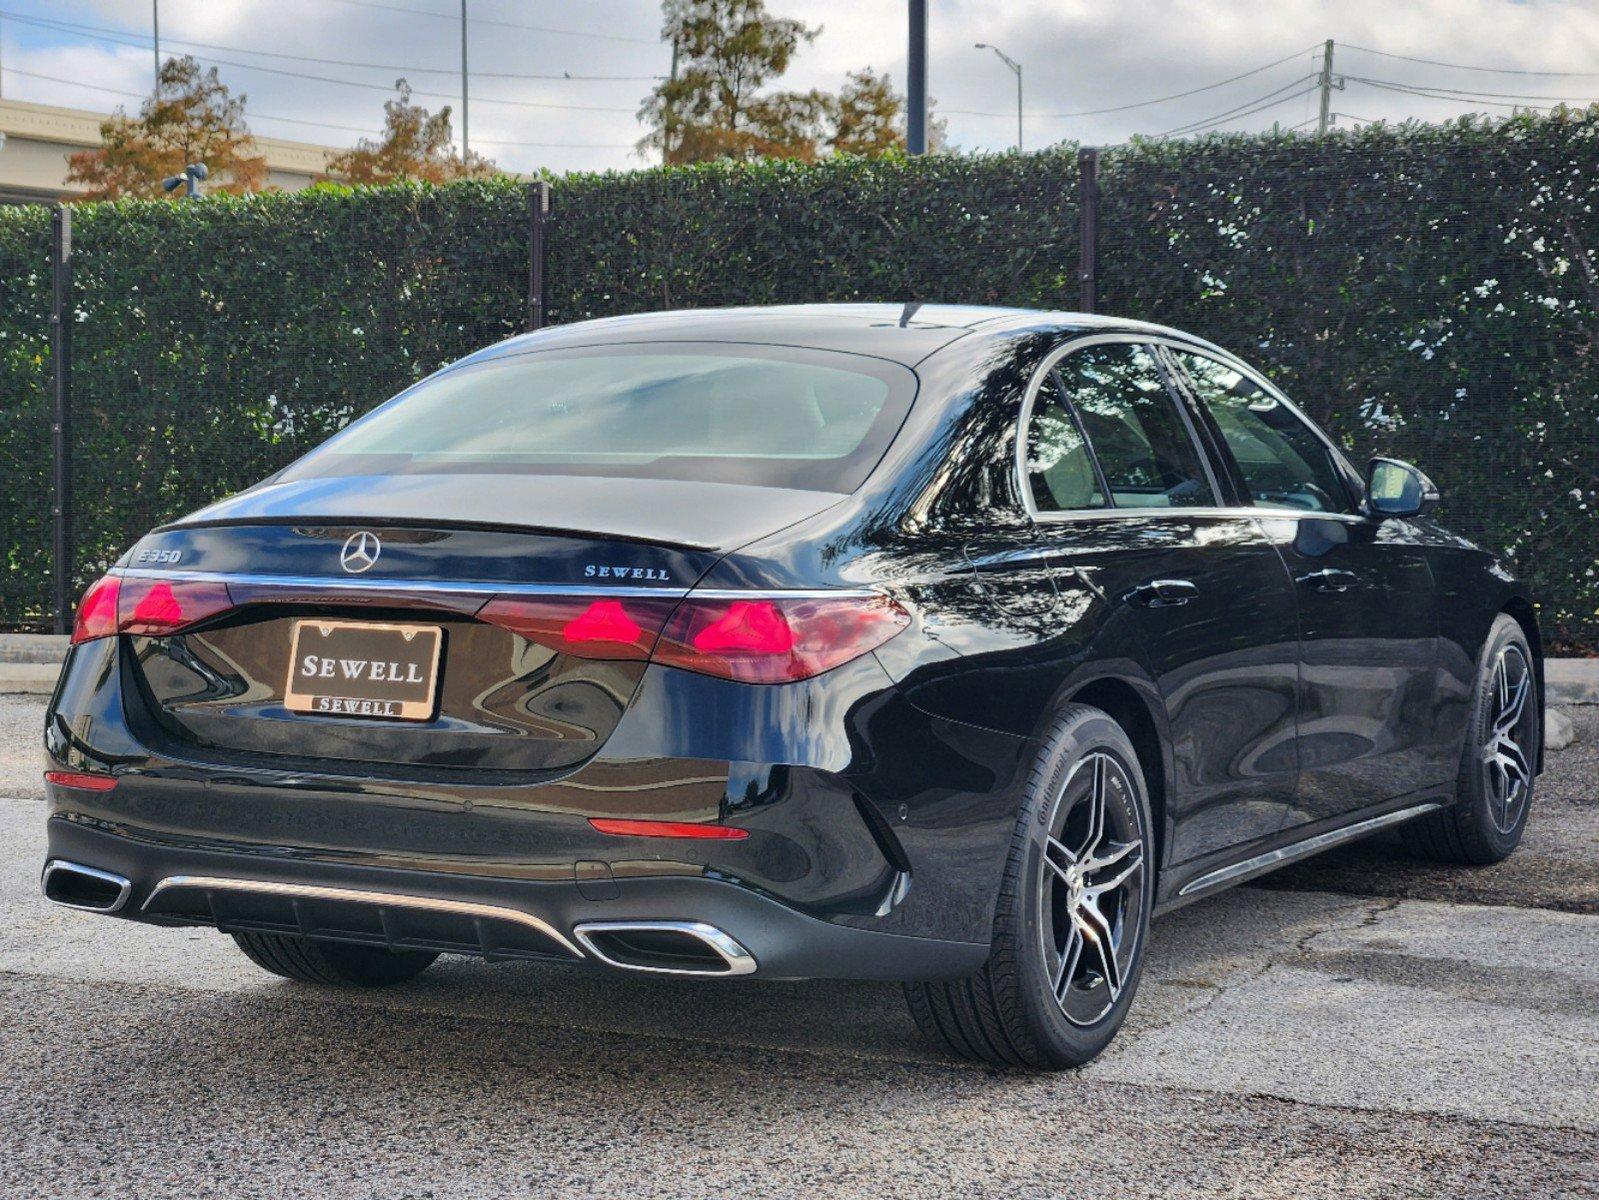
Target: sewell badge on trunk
363,669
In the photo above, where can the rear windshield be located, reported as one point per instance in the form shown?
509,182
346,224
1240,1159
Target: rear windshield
730,414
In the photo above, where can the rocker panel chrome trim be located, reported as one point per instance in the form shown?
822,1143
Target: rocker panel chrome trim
1313,845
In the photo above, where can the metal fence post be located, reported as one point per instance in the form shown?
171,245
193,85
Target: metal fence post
61,387
538,212
1087,229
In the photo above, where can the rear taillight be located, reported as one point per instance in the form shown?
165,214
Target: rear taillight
753,639
97,611
152,607
607,627
776,639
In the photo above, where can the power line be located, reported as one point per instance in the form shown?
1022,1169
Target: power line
1433,94
1465,93
1433,62
365,131
130,37
453,19
1247,108
377,87
1094,112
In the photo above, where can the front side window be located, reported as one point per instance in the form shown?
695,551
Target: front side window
730,414
1144,451
1283,463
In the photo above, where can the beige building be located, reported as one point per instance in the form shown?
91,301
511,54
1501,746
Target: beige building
38,138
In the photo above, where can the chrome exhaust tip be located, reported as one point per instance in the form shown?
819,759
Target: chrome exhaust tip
665,947
88,889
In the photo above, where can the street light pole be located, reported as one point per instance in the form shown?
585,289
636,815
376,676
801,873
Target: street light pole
155,34
466,146
1016,67
916,81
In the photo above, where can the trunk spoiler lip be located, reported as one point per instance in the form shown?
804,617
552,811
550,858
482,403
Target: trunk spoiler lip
492,587
381,522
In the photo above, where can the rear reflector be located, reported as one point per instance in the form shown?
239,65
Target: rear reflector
76,779
152,607
667,829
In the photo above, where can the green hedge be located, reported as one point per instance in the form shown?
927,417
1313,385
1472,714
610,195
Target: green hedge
1428,291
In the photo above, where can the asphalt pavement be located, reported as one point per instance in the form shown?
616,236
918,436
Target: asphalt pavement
1366,1026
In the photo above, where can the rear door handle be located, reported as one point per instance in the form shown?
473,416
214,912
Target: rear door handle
1330,580
1163,593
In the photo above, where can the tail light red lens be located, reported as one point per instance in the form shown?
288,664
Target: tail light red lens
152,607
97,611
582,625
776,639
761,639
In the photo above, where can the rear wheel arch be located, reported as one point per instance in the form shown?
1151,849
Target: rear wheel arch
1132,710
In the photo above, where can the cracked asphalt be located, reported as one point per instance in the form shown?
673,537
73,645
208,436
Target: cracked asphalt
1365,1027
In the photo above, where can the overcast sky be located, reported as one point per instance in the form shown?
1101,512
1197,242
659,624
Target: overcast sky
1076,55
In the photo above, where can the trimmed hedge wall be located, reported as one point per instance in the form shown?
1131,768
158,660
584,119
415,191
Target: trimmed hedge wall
1427,291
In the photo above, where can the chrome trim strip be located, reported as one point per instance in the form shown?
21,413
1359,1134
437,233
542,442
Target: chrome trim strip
1313,845
61,864
483,587
1052,359
305,891
739,960
368,584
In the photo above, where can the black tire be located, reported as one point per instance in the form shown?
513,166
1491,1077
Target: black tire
1009,1013
332,963
1479,828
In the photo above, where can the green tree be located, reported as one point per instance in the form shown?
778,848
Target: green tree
727,50
868,117
191,118
415,145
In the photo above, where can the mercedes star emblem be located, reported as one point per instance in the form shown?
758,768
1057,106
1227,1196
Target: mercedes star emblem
360,551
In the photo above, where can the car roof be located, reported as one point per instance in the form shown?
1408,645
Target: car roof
904,333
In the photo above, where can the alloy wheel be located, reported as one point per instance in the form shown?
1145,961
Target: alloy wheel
1508,745
1091,890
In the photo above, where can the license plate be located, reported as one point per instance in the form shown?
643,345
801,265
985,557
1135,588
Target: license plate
363,669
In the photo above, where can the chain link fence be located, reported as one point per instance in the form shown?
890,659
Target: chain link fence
1428,292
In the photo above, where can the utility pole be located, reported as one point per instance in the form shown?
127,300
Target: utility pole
916,81
1326,89
466,147
668,117
155,31
1016,67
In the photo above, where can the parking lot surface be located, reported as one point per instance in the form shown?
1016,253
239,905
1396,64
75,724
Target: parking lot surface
1365,1026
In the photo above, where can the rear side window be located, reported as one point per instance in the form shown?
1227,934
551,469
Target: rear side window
1059,465
1283,462
1140,442
732,414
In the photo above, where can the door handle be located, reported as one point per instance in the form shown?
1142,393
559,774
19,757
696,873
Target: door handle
1163,593
1330,580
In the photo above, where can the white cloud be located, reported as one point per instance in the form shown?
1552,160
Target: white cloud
1076,54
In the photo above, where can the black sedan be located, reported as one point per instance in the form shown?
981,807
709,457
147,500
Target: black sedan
932,644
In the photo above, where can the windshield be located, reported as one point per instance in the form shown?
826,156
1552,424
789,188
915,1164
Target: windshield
729,414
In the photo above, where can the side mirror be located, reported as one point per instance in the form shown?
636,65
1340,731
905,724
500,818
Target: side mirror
1397,489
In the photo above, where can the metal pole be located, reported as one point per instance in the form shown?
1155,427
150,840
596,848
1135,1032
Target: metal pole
1326,89
466,147
61,387
538,211
1087,229
916,81
1018,108
155,29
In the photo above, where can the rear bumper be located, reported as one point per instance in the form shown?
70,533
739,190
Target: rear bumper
495,918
